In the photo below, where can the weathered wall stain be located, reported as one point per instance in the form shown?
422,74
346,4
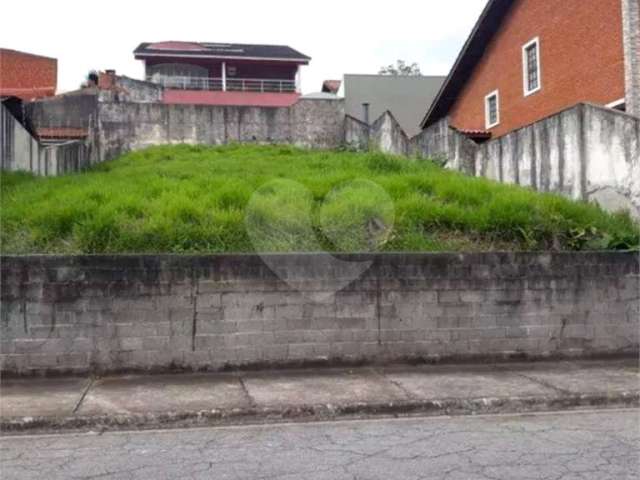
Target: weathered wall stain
212,312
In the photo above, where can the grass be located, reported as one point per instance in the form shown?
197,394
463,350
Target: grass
279,198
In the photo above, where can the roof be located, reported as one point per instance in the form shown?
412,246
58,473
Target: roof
248,99
61,132
471,54
404,96
28,93
477,134
237,51
19,52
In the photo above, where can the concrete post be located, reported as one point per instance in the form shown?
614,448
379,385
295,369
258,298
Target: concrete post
365,113
631,41
224,76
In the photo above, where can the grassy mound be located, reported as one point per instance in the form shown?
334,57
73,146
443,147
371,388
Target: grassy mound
279,198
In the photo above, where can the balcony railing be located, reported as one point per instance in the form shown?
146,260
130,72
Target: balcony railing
230,85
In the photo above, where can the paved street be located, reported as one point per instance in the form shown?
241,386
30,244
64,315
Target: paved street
595,445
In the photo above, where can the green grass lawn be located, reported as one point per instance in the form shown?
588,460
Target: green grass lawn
279,198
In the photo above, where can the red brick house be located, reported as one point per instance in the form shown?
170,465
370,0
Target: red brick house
528,59
224,74
27,76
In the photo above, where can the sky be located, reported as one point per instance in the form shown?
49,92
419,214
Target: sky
348,36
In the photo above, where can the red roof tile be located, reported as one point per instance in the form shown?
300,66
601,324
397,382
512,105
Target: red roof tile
61,132
475,133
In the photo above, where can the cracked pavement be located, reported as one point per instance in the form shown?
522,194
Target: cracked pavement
465,388
584,445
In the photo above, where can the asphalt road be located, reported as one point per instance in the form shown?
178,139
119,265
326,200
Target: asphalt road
565,446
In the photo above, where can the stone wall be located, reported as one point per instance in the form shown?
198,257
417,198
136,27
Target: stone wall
111,313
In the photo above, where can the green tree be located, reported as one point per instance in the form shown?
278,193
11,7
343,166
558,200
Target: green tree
400,68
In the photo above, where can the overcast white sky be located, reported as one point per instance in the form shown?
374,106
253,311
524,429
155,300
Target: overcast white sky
348,36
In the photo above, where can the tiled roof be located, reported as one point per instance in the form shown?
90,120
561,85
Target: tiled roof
475,133
221,50
61,132
250,99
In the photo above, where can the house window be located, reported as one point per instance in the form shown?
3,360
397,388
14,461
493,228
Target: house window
531,66
492,109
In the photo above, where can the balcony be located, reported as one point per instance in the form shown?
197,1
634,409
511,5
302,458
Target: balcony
256,85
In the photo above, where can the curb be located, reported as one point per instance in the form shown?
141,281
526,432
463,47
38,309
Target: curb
239,416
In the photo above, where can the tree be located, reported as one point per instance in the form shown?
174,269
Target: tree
400,68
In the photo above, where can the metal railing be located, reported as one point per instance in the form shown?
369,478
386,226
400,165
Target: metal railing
231,84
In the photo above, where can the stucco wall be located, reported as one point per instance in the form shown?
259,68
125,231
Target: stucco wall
631,37
130,126
387,134
118,88
356,133
107,313
73,110
445,144
20,151
586,152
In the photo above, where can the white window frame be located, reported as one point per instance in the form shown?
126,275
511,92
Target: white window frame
525,71
487,118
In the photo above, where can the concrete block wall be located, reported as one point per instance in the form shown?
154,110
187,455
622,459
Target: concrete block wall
114,313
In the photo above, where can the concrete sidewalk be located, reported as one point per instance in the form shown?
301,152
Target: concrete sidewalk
152,401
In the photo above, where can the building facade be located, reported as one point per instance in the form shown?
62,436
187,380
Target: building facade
528,59
223,74
27,76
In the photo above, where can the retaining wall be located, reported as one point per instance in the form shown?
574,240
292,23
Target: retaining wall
110,313
130,126
20,151
586,152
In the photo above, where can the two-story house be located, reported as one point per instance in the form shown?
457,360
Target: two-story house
224,73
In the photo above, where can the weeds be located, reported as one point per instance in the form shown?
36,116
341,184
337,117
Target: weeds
199,199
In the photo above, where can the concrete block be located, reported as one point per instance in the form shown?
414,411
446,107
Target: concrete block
131,344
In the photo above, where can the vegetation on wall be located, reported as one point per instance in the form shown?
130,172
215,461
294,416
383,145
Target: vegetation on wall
279,198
